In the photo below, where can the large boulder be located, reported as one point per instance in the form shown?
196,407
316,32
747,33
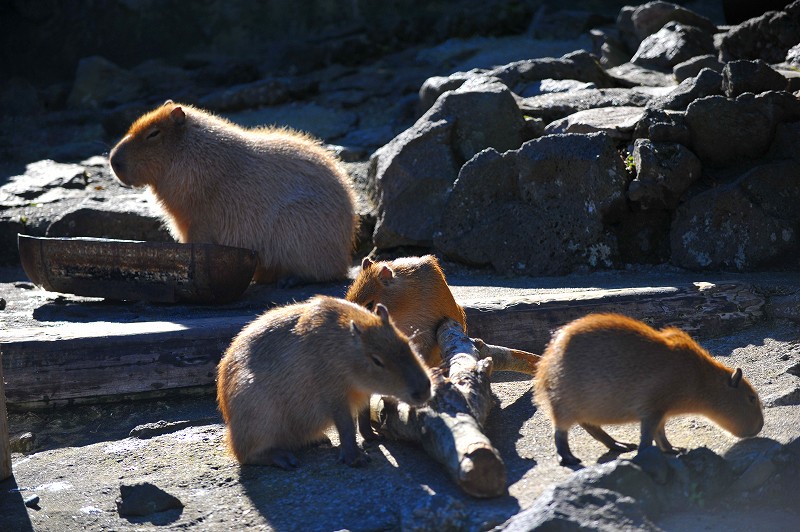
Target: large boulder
706,83
750,224
768,37
648,18
410,176
617,122
672,44
556,105
579,65
725,131
691,67
100,83
541,209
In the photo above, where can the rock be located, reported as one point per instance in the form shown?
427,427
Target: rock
651,17
691,67
579,65
707,83
18,96
270,91
547,86
663,173
627,33
101,83
617,122
663,126
673,44
326,123
125,217
654,463
786,307
553,106
435,86
788,397
145,499
755,476
755,76
563,24
706,474
32,501
725,131
749,224
42,176
631,75
793,55
784,144
540,209
411,174
151,430
22,443
768,37
643,235
576,508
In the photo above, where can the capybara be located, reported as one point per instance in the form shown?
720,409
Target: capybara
273,190
608,368
298,369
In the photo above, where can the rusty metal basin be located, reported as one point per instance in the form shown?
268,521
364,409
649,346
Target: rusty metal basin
162,272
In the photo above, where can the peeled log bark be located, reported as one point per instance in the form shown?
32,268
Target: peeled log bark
507,359
450,426
5,446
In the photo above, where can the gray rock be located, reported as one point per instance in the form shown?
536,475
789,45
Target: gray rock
793,55
691,67
326,123
101,83
438,512
725,131
756,475
411,174
579,65
754,76
663,126
617,122
627,32
631,75
125,217
706,83
436,85
145,499
539,209
271,91
547,86
22,443
651,17
643,235
672,44
784,145
768,37
576,508
663,173
786,307
42,176
553,106
749,224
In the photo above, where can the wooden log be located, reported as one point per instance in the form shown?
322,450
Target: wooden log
450,426
507,359
5,445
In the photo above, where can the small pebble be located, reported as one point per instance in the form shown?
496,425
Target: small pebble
32,501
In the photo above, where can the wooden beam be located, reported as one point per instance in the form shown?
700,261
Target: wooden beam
87,362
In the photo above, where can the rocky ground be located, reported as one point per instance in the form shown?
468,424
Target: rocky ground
660,143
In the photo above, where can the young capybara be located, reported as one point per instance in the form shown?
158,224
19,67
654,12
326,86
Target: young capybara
416,293
273,190
298,369
608,368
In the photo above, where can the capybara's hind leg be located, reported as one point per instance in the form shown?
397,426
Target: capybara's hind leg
562,447
605,438
650,427
274,457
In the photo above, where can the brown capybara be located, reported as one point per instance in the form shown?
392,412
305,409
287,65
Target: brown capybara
608,368
298,369
415,291
273,190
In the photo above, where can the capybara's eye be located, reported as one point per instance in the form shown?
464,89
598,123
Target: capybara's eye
378,362
752,399
370,305
153,134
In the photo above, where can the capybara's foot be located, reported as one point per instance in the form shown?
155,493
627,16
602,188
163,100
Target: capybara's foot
283,459
354,457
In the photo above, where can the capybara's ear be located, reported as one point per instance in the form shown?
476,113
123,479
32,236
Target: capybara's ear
168,102
177,115
366,263
386,274
354,330
736,378
383,312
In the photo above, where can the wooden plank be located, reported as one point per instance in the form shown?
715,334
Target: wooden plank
5,445
88,361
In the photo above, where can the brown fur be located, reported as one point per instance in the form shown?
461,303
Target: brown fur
298,369
273,190
608,368
415,291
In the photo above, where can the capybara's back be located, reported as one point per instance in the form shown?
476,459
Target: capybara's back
273,190
298,369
